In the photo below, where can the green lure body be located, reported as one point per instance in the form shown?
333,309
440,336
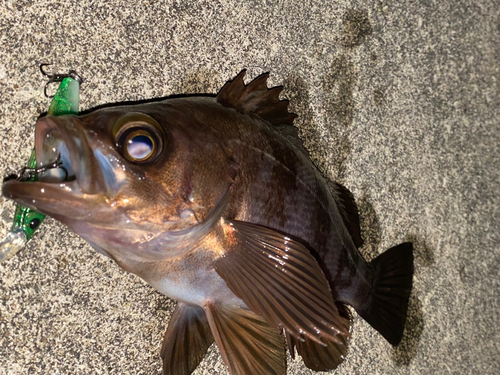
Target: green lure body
66,101
26,221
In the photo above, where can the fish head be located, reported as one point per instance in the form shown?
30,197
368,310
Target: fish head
140,182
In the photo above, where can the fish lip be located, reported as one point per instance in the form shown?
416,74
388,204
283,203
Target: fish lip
50,198
61,198
66,132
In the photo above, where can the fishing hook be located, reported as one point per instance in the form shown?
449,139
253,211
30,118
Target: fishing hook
30,173
58,78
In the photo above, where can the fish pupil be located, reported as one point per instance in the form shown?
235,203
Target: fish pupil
140,146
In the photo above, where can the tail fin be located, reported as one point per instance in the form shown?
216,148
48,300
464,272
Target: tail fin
387,305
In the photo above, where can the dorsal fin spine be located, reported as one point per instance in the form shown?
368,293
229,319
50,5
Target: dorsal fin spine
255,98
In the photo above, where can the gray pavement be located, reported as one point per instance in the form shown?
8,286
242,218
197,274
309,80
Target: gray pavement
398,100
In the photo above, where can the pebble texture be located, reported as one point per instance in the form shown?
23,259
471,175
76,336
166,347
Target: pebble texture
398,100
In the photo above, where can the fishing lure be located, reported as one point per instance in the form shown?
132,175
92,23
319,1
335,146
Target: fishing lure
26,221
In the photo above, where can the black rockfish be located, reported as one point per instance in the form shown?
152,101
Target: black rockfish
215,203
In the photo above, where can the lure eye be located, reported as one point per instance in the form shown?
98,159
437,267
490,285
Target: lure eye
138,137
34,223
31,222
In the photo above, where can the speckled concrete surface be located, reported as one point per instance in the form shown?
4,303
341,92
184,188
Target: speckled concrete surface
399,100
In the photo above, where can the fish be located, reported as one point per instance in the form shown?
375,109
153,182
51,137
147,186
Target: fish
214,201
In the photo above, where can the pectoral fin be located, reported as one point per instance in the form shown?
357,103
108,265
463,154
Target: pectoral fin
248,345
280,280
186,341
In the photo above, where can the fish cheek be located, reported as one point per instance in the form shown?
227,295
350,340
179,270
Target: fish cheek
209,177
148,202
151,193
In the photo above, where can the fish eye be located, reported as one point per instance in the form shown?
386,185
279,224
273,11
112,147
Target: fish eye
138,137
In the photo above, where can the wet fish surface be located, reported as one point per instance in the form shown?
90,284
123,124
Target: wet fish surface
215,203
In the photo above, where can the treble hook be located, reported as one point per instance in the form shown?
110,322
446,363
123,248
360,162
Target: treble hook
58,78
30,173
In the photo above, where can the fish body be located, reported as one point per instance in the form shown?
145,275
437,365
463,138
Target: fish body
215,203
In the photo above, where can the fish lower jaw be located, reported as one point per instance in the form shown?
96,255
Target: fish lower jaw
43,196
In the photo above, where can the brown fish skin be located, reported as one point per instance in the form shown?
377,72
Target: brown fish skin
228,216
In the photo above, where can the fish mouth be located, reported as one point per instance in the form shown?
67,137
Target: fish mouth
67,171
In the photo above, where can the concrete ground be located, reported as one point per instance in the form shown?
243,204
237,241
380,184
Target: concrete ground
398,100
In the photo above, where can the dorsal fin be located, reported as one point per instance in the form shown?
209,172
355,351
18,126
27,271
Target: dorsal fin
348,210
256,98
